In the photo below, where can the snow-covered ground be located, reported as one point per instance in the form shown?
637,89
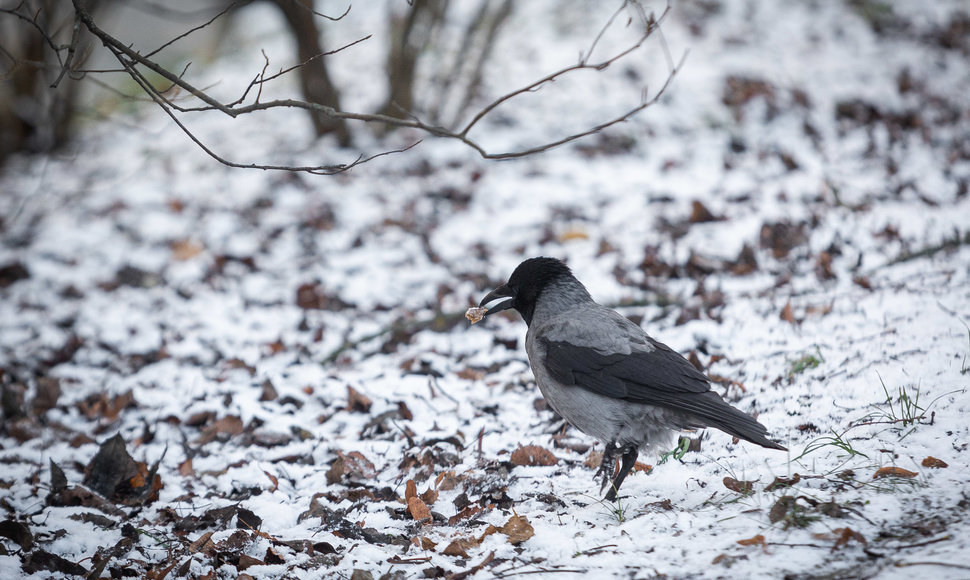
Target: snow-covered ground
294,346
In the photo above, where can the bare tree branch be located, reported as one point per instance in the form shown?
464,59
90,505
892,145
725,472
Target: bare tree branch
132,61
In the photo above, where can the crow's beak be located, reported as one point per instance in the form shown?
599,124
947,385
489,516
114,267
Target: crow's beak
497,300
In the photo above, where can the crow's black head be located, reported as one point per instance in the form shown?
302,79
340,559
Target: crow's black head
525,285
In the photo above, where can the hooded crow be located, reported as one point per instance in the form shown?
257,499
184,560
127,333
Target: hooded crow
605,376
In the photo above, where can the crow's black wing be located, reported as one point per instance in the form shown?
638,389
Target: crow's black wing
659,377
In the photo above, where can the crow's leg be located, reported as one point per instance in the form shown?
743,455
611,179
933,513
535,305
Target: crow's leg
607,465
630,454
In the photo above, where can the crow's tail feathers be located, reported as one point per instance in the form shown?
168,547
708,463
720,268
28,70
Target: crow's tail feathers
723,416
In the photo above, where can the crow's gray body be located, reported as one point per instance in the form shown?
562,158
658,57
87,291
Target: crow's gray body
604,375
586,324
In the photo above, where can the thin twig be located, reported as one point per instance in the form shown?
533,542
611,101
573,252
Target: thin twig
71,51
225,10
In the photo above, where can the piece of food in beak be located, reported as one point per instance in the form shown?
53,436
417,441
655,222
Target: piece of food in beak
475,313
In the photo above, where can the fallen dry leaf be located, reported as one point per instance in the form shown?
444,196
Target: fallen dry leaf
893,472
464,514
533,455
187,249
227,427
356,401
594,459
430,496
518,529
742,487
783,482
418,509
700,214
758,540
642,467
410,490
934,462
845,535
203,542
786,313
460,547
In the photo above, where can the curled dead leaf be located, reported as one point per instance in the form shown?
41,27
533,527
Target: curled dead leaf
893,472
931,461
533,455
742,487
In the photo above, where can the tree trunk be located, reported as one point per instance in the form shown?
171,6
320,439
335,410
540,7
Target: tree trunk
314,78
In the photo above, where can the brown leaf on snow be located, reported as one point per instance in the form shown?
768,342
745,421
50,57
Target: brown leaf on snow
893,472
419,510
845,535
488,532
356,401
533,455
101,406
115,475
783,482
700,214
12,272
787,314
464,514
48,391
518,529
446,481
459,547
410,490
745,263
758,540
470,374
186,249
430,496
353,465
203,542
225,428
782,237
186,469
315,297
823,267
642,467
18,532
931,461
742,487
594,459
245,561
268,391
